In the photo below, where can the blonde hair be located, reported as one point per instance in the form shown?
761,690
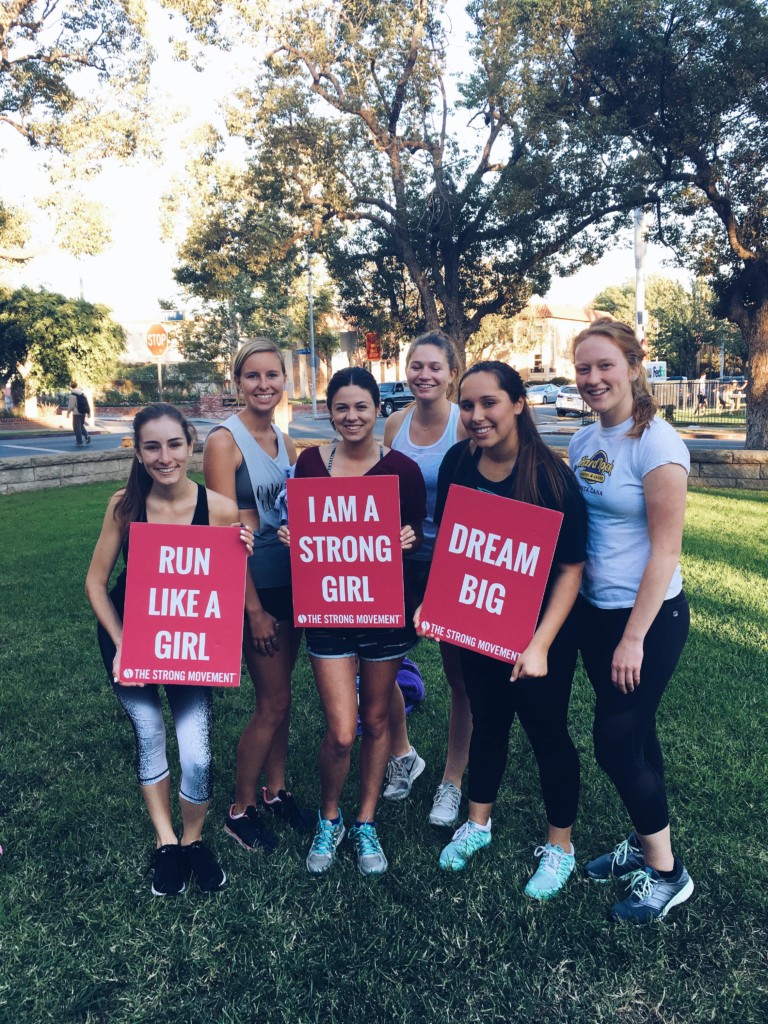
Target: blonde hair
446,346
250,348
644,408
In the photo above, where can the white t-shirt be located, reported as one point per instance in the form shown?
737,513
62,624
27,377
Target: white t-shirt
609,467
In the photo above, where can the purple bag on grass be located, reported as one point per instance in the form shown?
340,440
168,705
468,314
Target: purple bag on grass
410,682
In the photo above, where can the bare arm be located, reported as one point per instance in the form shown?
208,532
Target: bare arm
533,660
665,490
393,424
97,580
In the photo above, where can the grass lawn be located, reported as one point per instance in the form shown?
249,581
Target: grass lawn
82,939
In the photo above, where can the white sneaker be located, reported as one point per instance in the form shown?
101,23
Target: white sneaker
402,772
445,806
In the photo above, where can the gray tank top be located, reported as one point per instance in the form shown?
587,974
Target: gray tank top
259,481
428,458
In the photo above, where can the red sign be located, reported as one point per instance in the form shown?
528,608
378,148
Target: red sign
157,339
489,572
372,346
184,605
346,560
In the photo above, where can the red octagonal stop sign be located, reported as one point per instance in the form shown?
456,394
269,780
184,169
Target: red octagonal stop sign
157,339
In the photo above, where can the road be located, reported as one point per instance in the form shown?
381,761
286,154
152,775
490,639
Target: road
303,426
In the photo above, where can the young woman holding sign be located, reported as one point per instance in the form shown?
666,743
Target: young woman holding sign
634,617
353,401
159,491
249,460
424,432
505,455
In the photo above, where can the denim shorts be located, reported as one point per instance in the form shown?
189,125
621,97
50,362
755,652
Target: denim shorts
366,644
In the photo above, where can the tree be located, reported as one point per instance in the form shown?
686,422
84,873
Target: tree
682,324
72,80
685,84
49,339
354,135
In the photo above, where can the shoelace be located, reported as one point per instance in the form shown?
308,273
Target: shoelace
641,884
448,794
396,769
325,839
550,858
621,852
469,833
367,841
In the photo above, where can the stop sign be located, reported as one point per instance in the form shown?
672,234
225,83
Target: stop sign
157,339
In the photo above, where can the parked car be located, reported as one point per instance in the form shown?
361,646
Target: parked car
569,400
543,394
394,395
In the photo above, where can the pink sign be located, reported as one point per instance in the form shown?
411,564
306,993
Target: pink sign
489,572
184,603
346,560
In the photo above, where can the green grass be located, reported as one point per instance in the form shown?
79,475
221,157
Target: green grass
82,940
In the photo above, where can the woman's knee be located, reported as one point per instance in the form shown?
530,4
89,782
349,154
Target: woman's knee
339,741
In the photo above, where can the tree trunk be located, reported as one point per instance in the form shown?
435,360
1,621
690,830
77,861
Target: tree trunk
756,336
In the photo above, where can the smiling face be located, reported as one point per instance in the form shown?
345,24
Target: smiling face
164,450
353,413
262,381
488,413
428,373
604,378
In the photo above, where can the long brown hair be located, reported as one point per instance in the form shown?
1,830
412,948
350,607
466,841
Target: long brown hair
644,407
133,502
533,453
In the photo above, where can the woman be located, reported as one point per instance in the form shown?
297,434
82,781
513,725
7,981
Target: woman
632,468
159,491
248,459
424,432
504,455
353,402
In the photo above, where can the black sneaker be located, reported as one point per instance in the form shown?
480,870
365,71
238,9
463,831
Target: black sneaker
168,867
203,867
249,830
287,810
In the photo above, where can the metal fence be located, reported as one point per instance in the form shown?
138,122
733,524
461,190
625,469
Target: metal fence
696,403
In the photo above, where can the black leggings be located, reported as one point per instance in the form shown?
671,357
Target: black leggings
626,745
542,707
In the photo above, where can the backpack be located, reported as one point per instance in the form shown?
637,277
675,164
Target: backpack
410,682
82,405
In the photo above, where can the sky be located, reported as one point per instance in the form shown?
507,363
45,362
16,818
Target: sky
136,270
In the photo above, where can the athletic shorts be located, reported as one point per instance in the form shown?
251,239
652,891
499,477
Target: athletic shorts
277,601
366,644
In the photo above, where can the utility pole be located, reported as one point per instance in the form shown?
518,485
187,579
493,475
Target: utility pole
311,334
641,246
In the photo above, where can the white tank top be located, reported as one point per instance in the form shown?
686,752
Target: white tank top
428,458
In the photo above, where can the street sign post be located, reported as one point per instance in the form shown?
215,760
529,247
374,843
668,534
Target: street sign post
157,343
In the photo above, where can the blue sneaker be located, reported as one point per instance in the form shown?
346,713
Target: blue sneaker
466,841
621,862
651,897
322,852
553,872
368,852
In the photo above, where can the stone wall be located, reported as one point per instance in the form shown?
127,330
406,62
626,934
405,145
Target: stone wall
746,470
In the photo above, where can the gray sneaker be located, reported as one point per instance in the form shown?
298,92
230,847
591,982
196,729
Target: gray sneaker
402,772
322,852
651,897
445,806
368,851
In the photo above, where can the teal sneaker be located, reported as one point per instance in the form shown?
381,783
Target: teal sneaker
651,897
368,852
466,841
322,852
621,862
552,873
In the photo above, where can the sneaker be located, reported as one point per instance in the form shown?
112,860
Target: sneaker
287,810
651,897
466,841
322,852
368,851
445,806
249,830
402,772
552,873
87,438
168,870
203,867
619,863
